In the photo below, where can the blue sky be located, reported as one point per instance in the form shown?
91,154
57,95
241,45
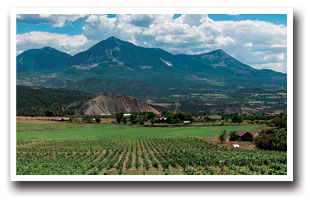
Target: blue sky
258,40
75,28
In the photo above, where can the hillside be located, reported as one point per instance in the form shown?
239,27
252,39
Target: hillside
109,103
38,100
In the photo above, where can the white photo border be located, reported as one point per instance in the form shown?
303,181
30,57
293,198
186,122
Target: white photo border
154,10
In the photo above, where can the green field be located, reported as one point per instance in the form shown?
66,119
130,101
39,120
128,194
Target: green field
144,156
34,132
111,149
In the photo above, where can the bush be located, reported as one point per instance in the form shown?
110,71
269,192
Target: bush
153,120
278,122
86,118
49,113
98,120
222,136
272,139
119,116
236,118
233,136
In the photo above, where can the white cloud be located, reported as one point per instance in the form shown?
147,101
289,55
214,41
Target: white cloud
256,43
280,67
248,44
252,42
62,42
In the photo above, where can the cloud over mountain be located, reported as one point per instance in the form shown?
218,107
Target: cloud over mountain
260,44
63,42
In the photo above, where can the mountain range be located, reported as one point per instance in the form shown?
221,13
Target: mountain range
121,67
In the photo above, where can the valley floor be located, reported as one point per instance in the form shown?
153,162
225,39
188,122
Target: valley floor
59,148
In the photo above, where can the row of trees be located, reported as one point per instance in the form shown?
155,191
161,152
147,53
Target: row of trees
276,120
142,117
135,117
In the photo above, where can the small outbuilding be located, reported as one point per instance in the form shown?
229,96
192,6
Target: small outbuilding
244,135
186,122
63,119
163,118
235,146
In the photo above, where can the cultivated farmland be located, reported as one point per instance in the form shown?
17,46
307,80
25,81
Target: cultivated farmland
144,156
85,149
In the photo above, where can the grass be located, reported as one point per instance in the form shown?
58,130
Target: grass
33,132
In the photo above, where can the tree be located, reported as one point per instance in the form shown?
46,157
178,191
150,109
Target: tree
49,113
70,112
236,118
153,120
279,122
150,115
86,118
119,116
141,120
125,120
222,136
98,120
233,136
272,139
133,118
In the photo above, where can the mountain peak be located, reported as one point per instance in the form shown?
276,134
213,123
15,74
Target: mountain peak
38,59
218,51
112,38
48,48
108,43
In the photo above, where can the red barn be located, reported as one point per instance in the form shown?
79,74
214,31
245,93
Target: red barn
244,135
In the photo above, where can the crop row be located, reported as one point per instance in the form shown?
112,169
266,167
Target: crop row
181,156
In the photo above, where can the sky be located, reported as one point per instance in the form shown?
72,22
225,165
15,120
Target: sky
258,40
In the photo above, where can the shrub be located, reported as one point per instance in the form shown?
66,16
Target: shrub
98,120
222,136
272,139
125,120
233,136
86,118
119,116
236,118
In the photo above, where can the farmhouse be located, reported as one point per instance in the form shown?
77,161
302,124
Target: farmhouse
127,115
244,135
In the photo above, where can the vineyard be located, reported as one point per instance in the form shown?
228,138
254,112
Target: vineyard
144,156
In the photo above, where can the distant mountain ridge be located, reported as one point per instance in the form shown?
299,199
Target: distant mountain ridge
40,59
123,62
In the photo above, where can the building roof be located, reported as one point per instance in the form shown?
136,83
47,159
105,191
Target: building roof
241,132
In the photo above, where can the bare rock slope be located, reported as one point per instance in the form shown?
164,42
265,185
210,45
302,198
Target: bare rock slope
109,103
